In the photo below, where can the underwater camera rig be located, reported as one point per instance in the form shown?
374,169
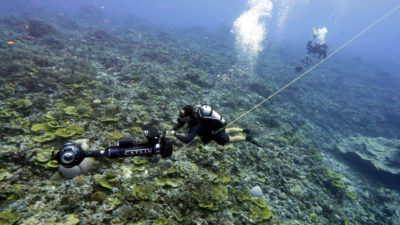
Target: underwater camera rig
72,154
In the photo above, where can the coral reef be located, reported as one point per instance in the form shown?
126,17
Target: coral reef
381,153
62,81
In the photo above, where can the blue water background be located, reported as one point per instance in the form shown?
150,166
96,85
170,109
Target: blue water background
343,19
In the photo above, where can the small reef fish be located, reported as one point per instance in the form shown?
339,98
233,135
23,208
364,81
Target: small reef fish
26,27
10,42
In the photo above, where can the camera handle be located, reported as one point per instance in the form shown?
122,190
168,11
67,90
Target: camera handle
72,154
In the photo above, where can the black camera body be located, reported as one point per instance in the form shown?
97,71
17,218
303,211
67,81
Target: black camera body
71,154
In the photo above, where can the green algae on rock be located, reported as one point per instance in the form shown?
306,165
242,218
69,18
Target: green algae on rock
259,214
43,155
210,196
160,221
187,167
4,174
115,135
172,182
107,183
260,202
40,127
7,112
47,136
10,86
50,116
243,196
223,178
136,129
71,219
350,194
53,124
109,119
9,217
71,110
140,160
21,103
142,192
69,131
51,164
112,201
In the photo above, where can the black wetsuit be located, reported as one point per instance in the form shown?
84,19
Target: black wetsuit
317,49
196,127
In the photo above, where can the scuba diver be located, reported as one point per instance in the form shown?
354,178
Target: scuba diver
317,45
75,159
203,121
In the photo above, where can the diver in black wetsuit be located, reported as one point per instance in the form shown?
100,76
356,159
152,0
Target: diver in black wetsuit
317,48
203,121
317,45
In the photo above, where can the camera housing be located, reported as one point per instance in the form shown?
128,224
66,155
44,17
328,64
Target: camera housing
70,155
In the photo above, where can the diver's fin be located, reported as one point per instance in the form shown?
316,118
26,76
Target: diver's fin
250,139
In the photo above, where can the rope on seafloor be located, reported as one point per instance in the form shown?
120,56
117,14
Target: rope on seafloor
309,70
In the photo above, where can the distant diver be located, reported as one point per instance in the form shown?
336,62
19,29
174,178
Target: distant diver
203,121
317,46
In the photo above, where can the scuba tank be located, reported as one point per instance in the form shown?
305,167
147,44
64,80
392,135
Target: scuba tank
210,118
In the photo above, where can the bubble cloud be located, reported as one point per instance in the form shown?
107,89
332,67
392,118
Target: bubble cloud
249,28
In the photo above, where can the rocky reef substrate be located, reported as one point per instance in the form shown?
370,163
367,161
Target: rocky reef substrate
63,79
378,157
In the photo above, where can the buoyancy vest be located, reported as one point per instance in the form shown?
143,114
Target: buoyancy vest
210,118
